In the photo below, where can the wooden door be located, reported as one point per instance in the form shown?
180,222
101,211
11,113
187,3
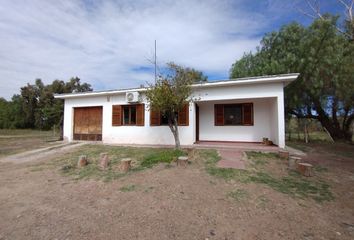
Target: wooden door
88,123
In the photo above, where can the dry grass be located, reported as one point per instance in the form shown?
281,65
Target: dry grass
14,141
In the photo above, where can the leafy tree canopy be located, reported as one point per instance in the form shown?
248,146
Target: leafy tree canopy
36,106
171,92
323,57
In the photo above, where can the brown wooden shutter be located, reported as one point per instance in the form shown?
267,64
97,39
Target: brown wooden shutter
183,116
140,113
116,115
247,113
219,114
154,118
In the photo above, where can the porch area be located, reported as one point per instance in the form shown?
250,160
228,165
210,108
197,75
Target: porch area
227,123
241,146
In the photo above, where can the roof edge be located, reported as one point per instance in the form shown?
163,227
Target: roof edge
285,78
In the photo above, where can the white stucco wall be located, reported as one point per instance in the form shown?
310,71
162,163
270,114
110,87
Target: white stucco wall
261,124
268,117
127,134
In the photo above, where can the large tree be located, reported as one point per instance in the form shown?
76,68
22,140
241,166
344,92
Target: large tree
324,58
171,92
36,106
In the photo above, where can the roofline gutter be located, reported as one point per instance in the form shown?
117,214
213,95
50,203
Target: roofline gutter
285,78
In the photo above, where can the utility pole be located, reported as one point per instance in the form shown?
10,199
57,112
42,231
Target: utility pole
155,63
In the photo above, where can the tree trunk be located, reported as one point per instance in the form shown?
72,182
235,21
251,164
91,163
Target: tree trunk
298,129
176,136
306,132
61,130
173,124
338,132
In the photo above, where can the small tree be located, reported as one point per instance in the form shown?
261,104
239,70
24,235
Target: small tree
170,93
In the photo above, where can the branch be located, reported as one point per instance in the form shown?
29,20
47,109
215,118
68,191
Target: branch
299,115
346,112
316,10
345,4
306,13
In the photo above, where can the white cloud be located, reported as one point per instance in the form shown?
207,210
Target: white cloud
102,42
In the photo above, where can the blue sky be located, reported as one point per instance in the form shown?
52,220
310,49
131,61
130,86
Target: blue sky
110,44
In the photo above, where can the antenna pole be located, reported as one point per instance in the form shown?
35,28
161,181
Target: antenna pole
155,63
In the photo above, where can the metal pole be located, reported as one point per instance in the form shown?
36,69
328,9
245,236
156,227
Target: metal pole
155,63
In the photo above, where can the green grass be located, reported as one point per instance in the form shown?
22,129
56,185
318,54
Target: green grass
336,149
142,158
318,136
292,184
295,186
166,156
259,159
128,188
31,132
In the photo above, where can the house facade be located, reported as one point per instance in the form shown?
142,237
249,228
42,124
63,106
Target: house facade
236,110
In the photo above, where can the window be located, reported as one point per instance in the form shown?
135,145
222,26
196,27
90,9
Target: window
128,115
233,114
157,119
163,119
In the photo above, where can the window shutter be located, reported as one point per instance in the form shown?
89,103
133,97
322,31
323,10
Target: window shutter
183,116
247,109
219,114
140,113
154,118
116,115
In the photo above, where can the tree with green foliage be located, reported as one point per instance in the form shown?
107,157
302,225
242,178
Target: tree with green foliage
171,93
324,58
36,106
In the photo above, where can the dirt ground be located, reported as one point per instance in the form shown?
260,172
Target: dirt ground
171,203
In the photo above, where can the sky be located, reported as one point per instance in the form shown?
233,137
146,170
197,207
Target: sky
110,44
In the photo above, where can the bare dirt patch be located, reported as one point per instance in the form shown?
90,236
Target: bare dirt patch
37,201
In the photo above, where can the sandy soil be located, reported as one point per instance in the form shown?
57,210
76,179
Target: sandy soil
168,203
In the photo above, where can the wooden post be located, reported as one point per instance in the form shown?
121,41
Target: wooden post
182,161
283,154
293,162
191,153
82,161
125,164
305,169
104,161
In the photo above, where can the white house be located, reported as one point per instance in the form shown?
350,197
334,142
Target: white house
235,110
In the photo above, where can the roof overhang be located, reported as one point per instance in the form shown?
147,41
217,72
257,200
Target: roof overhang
282,78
